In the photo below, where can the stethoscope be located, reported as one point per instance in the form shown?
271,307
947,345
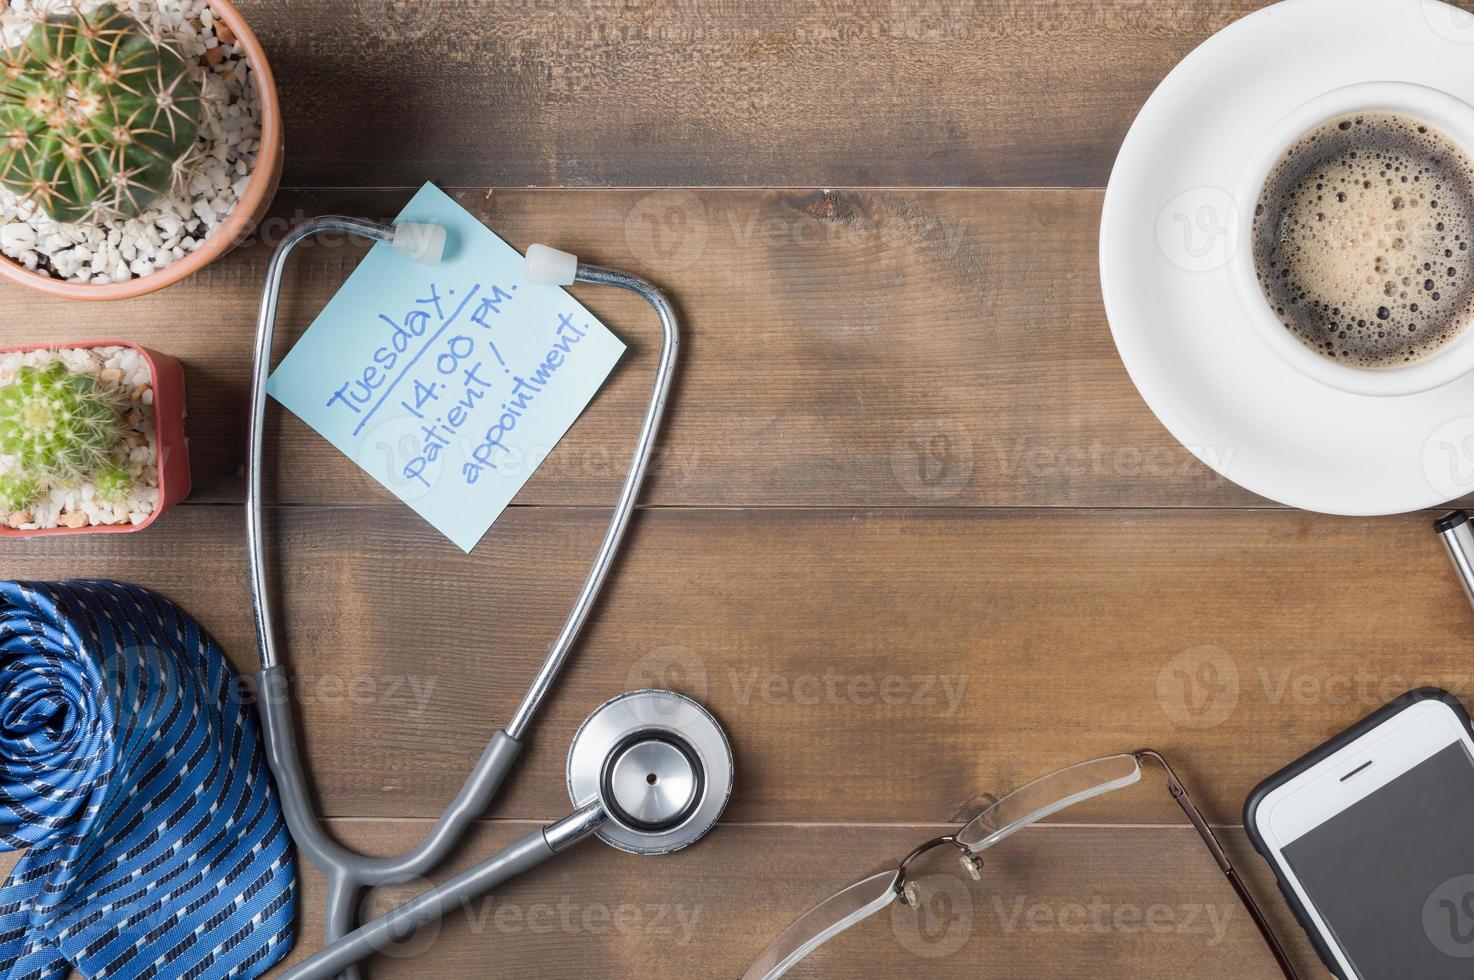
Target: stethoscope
648,772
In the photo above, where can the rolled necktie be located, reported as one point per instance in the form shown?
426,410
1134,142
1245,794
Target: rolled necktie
132,772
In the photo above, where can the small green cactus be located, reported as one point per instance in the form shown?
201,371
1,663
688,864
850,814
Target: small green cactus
114,482
17,492
97,119
60,427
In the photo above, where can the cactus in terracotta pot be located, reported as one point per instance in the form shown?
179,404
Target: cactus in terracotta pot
97,119
56,427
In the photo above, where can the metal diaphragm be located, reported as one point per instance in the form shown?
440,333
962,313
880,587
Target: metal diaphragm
660,765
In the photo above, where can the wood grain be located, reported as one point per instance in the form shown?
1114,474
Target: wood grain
841,348
1056,902
912,534
639,92
879,666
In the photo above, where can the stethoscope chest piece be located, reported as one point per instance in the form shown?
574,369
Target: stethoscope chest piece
660,766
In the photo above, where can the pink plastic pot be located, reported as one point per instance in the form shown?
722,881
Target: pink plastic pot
173,447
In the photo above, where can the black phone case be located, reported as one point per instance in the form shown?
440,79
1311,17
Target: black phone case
1320,752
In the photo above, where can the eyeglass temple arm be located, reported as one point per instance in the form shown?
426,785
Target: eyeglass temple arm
1179,793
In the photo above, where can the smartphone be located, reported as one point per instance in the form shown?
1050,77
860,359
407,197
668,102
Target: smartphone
1371,837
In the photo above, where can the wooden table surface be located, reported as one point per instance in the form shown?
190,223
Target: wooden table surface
912,534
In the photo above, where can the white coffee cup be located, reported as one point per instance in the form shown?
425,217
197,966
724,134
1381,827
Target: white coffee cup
1446,114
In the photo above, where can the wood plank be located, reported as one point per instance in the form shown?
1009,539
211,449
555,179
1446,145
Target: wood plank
879,666
851,348
822,92
1055,902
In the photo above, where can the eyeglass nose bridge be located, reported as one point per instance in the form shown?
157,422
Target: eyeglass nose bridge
906,890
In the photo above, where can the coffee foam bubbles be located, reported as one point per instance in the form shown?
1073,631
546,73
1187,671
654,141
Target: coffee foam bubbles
1361,240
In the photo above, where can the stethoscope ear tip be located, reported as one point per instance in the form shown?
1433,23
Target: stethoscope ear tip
423,243
546,266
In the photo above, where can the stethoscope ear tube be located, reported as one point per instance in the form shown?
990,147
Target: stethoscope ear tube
521,856
344,868
347,873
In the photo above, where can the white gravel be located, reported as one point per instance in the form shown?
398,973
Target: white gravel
80,506
230,130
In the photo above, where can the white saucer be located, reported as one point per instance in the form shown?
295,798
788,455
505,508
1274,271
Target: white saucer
1191,352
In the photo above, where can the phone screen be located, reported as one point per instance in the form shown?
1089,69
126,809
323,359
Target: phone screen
1393,874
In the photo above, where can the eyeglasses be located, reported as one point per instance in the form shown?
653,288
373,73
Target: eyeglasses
1035,802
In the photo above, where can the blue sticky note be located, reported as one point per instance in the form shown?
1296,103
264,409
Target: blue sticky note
449,384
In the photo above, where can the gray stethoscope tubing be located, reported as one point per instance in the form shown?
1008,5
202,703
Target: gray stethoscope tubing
349,873
649,772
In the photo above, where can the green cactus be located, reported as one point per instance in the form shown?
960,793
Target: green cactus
17,492
114,482
58,426
97,119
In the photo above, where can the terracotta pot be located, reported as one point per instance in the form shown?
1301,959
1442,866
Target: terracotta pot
248,212
173,447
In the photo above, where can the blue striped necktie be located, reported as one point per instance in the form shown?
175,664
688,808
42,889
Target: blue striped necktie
132,771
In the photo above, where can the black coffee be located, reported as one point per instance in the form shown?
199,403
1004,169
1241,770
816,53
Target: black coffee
1361,240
